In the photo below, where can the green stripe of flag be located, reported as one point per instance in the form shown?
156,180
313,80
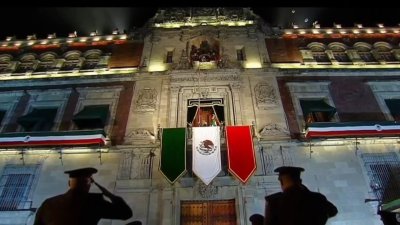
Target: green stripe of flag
173,153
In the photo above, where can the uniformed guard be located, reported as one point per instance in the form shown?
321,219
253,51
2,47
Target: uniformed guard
256,219
296,205
79,207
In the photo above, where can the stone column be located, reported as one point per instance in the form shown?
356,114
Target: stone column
174,103
307,57
355,57
235,88
167,208
331,57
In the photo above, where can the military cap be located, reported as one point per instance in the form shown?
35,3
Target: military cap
83,172
257,219
289,170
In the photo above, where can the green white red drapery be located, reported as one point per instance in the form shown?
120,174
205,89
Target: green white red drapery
206,153
353,129
173,153
57,138
240,148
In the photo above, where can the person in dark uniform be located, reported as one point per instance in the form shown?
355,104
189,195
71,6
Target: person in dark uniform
79,207
256,219
296,205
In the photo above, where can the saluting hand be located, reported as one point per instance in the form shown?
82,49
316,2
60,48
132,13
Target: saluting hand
103,189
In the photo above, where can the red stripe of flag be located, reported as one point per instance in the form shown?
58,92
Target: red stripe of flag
241,158
351,133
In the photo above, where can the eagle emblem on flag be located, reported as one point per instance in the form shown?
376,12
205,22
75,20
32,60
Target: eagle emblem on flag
206,147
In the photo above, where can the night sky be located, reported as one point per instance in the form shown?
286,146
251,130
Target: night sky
62,20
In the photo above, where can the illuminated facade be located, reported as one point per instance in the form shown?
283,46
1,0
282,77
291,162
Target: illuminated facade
323,98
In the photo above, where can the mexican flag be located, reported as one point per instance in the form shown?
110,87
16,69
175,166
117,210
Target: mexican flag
241,158
353,129
173,153
206,153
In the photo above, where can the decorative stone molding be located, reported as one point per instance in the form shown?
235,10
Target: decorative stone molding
265,95
140,136
273,129
140,133
206,191
211,77
147,99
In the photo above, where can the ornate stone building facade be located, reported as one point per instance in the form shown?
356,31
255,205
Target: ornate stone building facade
124,88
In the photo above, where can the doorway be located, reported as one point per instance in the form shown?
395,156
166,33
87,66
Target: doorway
221,212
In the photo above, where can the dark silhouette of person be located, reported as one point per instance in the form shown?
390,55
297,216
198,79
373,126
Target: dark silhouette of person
79,207
296,205
256,219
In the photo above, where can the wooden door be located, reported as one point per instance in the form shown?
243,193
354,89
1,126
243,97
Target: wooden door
208,212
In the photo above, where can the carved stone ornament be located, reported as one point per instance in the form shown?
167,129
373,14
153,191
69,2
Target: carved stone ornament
141,133
273,130
211,77
147,100
140,136
207,191
265,95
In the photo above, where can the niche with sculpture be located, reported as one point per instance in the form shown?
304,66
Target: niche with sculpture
204,49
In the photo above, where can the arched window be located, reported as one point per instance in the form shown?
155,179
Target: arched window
364,51
26,63
92,58
339,52
71,60
46,62
318,52
384,52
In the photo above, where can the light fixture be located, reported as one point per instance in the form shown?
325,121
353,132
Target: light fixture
31,37
51,36
336,25
115,31
10,38
295,26
358,25
94,33
72,35
380,25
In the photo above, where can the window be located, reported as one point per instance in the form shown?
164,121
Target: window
92,117
70,65
383,170
240,54
367,57
4,67
44,66
39,119
316,111
16,186
24,67
387,57
321,57
341,57
89,64
394,108
169,56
